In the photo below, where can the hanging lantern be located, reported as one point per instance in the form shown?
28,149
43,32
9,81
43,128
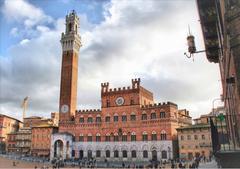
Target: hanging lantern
191,44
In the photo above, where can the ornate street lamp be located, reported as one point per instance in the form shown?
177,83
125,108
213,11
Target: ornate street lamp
191,46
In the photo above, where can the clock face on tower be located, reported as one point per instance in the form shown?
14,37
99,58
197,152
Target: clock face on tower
64,108
119,101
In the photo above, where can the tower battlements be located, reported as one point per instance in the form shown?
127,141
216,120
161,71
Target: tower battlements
71,39
136,83
157,105
106,89
88,111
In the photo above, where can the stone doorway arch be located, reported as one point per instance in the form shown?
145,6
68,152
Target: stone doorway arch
154,155
61,146
58,149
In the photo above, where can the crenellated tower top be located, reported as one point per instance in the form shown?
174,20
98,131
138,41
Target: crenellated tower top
136,83
135,86
71,39
105,87
127,96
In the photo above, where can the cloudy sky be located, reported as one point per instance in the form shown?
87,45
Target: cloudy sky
121,40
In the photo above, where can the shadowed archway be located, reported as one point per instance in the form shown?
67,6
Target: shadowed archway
58,149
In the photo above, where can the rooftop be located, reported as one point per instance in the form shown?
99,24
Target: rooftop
194,126
3,115
33,117
44,126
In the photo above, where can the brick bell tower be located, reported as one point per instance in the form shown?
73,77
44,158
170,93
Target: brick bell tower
71,43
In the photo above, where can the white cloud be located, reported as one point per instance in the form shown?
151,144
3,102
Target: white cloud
42,28
14,31
143,39
22,11
24,41
28,19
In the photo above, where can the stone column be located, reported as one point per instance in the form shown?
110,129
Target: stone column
120,154
159,155
103,154
149,155
112,155
70,149
94,153
85,153
64,150
129,155
51,150
139,155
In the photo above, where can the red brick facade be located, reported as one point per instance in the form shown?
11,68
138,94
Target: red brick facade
41,138
128,118
68,89
134,117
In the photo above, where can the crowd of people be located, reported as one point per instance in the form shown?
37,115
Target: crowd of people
93,163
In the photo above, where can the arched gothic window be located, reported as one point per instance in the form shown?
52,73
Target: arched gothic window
163,135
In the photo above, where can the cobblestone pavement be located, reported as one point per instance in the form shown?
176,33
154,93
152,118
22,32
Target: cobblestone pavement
8,163
212,164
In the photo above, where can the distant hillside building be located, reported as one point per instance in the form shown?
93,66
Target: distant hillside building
129,126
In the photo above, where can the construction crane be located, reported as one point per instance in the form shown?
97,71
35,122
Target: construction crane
24,105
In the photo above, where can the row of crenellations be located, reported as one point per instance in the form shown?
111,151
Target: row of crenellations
88,111
119,89
159,104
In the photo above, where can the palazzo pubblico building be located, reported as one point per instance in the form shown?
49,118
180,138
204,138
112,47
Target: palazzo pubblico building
128,127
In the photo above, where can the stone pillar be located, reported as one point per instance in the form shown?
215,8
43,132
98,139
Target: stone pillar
159,155
169,152
149,155
112,155
70,149
129,155
85,153
103,154
94,153
64,150
52,150
120,154
139,155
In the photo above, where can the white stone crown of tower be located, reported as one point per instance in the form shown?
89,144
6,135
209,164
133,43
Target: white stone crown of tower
71,40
